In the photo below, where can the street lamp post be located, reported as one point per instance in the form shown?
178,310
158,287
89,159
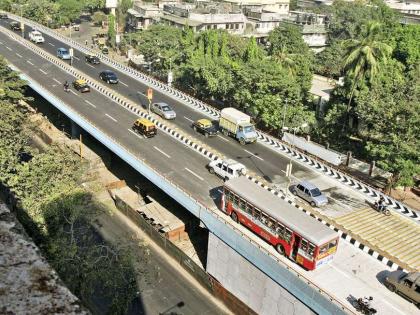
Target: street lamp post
284,113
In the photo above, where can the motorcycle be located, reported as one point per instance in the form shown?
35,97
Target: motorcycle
363,306
66,87
381,208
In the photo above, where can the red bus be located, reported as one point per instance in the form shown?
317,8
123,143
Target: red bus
293,233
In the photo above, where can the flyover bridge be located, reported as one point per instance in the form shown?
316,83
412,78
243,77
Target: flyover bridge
107,115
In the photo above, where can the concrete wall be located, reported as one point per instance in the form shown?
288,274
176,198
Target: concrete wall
248,283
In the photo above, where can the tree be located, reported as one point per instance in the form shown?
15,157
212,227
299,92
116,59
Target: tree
99,17
286,60
389,115
363,56
69,10
93,5
287,38
122,9
407,48
329,62
41,11
253,51
111,30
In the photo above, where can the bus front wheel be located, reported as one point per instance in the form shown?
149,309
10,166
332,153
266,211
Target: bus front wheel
280,249
234,216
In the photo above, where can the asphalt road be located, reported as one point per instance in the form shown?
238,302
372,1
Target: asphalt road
180,164
260,159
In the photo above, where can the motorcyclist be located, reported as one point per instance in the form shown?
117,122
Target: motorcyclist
366,301
381,204
66,86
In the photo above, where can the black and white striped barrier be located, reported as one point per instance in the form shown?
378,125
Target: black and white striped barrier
214,113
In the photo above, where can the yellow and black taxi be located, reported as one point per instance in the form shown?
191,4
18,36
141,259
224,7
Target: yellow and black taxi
145,127
81,85
90,58
205,127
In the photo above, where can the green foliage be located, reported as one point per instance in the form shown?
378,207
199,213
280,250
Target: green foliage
253,51
407,48
11,86
329,62
98,17
287,38
93,5
111,30
69,10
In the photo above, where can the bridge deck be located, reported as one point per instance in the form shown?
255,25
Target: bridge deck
394,236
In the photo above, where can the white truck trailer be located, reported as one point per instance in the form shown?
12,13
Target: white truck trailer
238,125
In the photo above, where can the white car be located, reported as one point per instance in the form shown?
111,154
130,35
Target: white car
227,169
36,37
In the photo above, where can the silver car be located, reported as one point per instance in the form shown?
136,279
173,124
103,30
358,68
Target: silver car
163,110
310,193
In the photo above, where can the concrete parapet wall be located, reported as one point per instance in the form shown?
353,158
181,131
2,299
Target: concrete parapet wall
249,284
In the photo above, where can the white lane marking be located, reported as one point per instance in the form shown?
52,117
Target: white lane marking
342,272
188,119
1,43
167,155
224,139
110,117
90,66
9,48
74,93
199,177
141,93
123,83
76,58
93,105
56,81
137,135
51,44
253,155
43,71
393,307
20,56
30,62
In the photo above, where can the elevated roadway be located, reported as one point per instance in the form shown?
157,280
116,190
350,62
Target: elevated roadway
167,155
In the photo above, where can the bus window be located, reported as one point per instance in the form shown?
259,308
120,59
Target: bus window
264,218
287,235
270,223
311,250
227,195
235,201
332,244
242,204
323,249
256,213
249,209
304,245
280,229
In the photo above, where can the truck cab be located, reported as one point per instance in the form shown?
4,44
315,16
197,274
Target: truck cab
226,169
36,37
238,125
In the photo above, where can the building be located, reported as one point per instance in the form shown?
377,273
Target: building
204,18
312,26
141,16
278,6
260,23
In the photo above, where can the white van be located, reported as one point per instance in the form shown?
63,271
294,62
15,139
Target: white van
36,37
227,169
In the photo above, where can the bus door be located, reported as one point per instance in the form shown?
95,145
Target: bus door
295,245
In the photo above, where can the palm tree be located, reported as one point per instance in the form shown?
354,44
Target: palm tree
363,56
286,60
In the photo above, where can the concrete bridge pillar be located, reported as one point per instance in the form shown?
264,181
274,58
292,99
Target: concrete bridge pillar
75,130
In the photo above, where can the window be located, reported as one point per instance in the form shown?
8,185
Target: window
256,213
332,244
227,195
304,245
230,171
306,191
249,209
287,235
300,187
311,250
323,249
280,229
270,223
224,168
264,219
236,26
235,201
242,204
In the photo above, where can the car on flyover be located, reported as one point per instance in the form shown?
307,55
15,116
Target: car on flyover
227,169
310,193
145,127
15,26
109,77
90,58
163,110
205,127
3,16
63,53
81,85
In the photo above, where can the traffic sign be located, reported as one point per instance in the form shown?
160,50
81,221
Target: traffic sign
149,94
